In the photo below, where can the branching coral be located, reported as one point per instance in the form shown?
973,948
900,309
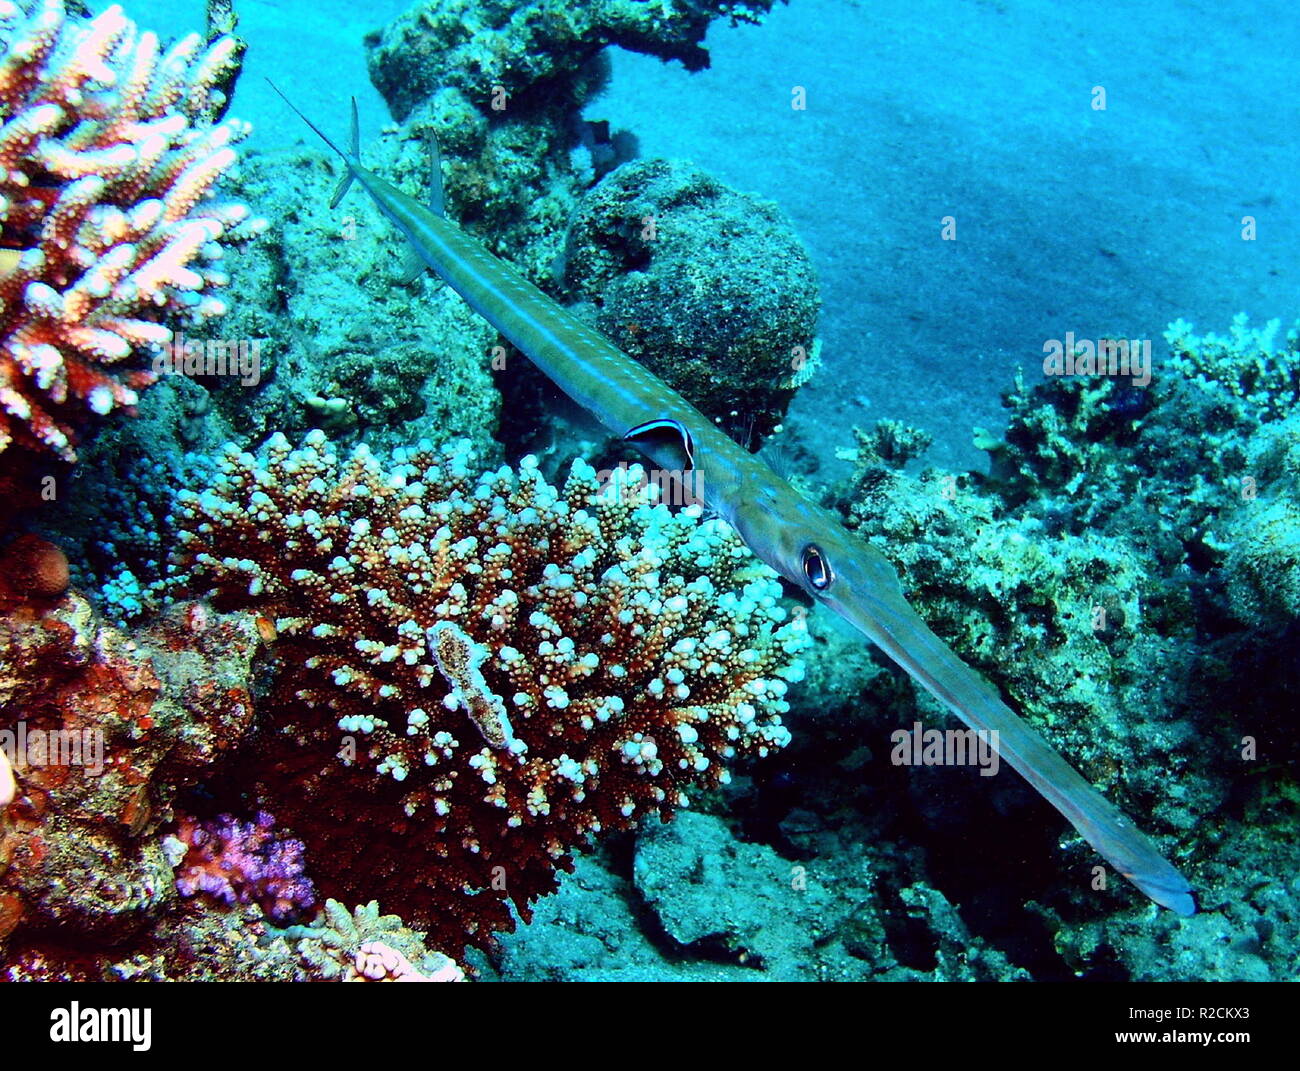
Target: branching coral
107,158
365,946
477,674
1257,366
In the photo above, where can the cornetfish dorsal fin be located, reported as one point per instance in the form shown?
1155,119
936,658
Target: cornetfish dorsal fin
340,191
352,161
437,198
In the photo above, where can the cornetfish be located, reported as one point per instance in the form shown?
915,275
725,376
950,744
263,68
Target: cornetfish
804,543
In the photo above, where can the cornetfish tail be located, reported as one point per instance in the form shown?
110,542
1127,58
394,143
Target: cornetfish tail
890,623
352,160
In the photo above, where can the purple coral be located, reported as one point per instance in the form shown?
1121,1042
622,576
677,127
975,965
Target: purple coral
238,862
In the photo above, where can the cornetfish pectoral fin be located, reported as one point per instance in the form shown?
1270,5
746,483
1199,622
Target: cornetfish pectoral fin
669,436
890,623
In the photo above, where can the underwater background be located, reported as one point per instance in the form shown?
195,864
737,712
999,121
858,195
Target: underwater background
916,197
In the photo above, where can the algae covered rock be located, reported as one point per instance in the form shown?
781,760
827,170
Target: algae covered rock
487,48
503,88
710,288
739,900
1262,536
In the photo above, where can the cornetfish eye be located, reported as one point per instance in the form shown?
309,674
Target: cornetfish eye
817,568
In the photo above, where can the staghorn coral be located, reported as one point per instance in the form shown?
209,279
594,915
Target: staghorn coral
475,675
107,159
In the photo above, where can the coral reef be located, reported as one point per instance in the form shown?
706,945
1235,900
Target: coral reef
349,348
503,91
1256,367
708,288
1261,538
478,48
365,946
1098,577
108,156
336,335
100,733
475,675
1069,622
101,730
198,943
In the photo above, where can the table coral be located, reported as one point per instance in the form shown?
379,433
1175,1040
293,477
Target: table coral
108,156
477,674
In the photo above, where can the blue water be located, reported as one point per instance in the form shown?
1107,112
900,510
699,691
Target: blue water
1068,219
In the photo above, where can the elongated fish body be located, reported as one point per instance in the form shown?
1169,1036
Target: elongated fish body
801,541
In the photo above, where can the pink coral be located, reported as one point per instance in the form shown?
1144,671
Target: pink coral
378,962
107,159
236,862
